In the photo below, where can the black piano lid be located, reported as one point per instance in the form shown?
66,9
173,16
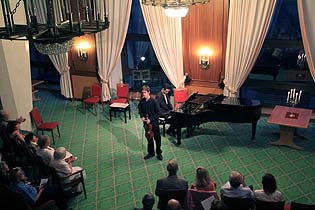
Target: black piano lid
240,101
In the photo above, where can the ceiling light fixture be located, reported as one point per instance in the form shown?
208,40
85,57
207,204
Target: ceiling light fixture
78,17
174,8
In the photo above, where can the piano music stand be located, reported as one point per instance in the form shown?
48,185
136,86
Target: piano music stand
289,118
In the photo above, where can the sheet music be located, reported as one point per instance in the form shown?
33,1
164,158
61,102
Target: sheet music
207,203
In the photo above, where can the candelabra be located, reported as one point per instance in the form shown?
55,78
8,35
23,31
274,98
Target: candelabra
294,97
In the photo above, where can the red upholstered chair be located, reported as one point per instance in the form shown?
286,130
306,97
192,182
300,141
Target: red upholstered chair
96,92
43,126
180,96
195,197
122,94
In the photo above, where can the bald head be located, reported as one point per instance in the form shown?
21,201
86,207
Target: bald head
173,205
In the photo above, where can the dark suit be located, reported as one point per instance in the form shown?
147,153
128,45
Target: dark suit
165,108
170,183
171,187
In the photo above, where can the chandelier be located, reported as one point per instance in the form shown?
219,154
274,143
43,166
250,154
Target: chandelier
174,8
52,21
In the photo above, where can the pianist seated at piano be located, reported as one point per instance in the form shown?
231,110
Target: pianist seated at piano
165,107
199,109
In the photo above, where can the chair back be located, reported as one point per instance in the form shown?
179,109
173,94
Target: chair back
123,91
196,197
166,195
36,117
265,205
96,90
238,203
301,206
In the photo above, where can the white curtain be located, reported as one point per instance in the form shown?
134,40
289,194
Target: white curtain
306,16
247,28
60,61
166,37
109,43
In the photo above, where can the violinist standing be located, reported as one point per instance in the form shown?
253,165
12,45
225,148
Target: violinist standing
149,113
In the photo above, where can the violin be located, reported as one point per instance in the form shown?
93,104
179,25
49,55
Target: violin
148,130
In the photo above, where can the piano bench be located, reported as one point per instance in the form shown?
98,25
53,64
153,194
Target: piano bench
162,121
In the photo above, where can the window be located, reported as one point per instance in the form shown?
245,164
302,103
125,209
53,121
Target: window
281,64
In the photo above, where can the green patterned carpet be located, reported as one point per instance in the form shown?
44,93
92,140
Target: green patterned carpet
117,176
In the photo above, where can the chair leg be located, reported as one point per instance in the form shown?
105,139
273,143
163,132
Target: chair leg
58,130
52,134
84,190
164,129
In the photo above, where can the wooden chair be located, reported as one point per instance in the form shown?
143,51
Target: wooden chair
95,98
301,206
195,197
122,94
16,201
238,203
264,205
166,195
43,126
74,182
45,171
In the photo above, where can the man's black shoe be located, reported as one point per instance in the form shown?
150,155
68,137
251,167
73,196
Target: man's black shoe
159,157
148,156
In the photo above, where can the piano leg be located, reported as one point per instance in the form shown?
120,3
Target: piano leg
179,135
254,125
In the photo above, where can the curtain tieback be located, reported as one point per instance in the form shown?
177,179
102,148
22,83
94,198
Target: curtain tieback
105,81
231,90
65,71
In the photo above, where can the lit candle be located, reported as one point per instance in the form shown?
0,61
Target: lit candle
296,97
288,97
300,95
291,94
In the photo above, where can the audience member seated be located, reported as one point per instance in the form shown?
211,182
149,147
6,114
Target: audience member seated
63,167
5,177
171,183
44,149
31,143
165,106
147,202
13,131
46,152
269,192
173,205
36,197
203,180
236,188
5,118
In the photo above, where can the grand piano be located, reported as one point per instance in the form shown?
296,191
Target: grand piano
199,109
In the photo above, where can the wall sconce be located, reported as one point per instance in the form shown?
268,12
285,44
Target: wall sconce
204,58
82,48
